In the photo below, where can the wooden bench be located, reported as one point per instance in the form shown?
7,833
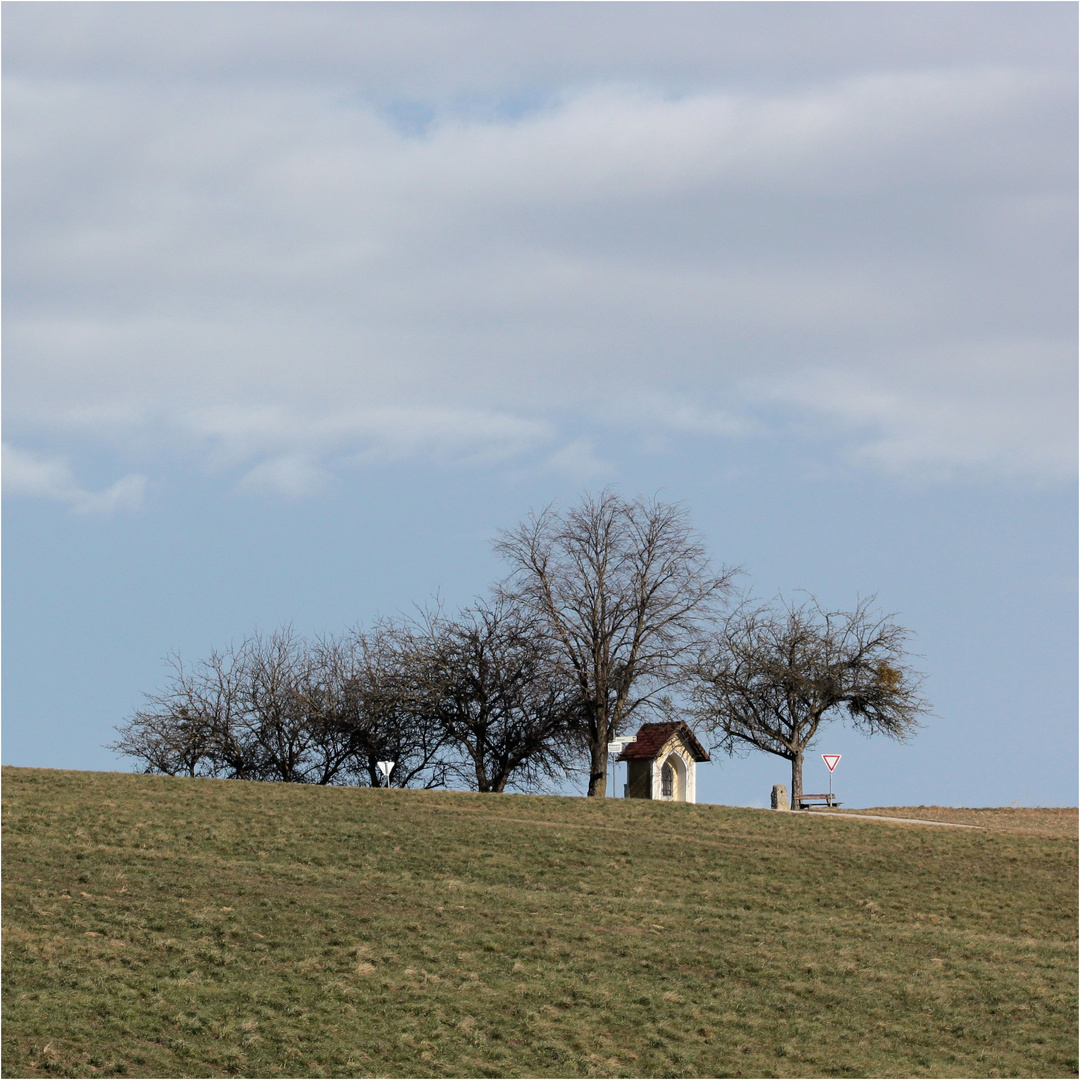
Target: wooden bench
807,800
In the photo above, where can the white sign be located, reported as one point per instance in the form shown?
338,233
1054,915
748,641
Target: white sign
386,768
830,760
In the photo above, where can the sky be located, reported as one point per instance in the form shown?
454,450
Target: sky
304,302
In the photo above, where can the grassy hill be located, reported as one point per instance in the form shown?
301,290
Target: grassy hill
171,927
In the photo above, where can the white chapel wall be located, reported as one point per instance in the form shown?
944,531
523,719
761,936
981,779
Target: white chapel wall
686,776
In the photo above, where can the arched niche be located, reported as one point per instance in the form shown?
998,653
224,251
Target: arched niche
673,767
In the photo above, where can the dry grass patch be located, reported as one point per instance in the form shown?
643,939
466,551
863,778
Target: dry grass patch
168,927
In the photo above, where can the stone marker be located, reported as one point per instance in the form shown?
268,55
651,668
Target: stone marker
779,798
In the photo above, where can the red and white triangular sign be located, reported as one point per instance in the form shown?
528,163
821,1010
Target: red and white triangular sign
830,760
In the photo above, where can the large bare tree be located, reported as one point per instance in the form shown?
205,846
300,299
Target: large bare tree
488,679
623,588
777,671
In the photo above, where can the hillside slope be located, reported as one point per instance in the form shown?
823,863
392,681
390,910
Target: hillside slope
174,927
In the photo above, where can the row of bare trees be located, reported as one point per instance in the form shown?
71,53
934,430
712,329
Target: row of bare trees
473,700
610,613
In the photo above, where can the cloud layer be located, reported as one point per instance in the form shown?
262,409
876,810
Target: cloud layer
299,264
50,477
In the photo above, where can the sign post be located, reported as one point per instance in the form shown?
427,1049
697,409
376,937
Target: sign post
386,768
830,760
614,749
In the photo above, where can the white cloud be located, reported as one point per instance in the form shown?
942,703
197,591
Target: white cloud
49,477
233,435
293,475
665,413
413,55
1005,409
269,270
578,461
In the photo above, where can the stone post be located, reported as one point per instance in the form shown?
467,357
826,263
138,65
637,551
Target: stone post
780,798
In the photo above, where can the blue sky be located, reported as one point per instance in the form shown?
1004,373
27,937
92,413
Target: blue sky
305,301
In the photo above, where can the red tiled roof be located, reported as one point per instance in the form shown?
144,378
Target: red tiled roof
651,738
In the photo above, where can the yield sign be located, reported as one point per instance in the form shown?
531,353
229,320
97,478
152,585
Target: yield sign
830,760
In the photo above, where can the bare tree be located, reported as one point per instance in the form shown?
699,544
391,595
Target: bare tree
191,728
623,589
776,672
383,709
489,679
331,689
275,716
174,734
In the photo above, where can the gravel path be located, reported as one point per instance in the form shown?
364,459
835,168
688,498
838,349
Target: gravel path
880,817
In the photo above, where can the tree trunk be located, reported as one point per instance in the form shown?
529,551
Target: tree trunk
483,784
598,769
796,780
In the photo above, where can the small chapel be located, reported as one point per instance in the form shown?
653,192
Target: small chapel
661,762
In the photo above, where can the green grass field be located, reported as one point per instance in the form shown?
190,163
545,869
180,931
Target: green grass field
173,927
